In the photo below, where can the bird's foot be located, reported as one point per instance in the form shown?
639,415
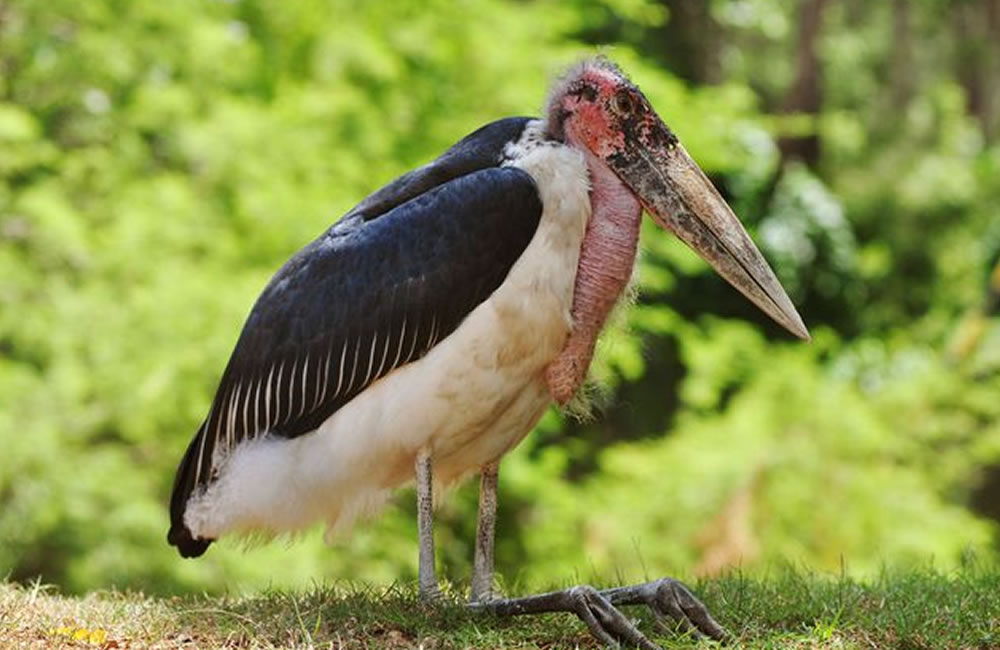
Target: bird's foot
603,620
667,598
670,600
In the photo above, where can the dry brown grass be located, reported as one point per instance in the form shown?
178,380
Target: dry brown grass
37,617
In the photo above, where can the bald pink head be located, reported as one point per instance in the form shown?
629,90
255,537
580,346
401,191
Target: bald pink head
596,109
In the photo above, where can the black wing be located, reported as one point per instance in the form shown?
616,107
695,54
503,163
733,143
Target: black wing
481,149
368,296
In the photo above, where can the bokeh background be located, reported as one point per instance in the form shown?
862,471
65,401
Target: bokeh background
159,160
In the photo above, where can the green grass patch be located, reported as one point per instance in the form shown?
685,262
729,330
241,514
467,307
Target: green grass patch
788,609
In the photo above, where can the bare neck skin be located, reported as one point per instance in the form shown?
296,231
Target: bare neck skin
603,271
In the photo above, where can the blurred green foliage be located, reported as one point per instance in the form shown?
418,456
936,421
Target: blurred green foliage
158,161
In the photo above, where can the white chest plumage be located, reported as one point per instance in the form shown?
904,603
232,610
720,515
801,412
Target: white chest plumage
475,395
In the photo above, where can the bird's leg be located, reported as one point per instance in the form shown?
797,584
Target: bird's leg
666,598
426,576
482,572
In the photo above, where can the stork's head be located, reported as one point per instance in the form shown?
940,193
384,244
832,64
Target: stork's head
597,109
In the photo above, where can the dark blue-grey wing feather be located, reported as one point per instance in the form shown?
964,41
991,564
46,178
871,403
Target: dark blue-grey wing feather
397,284
481,149
369,296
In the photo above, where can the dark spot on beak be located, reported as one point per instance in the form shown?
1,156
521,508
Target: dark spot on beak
659,135
643,131
639,123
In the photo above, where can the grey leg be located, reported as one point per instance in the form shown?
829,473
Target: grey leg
426,576
482,573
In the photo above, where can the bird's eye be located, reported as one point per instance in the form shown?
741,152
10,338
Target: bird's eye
624,103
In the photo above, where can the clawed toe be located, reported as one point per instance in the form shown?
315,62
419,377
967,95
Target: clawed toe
605,621
671,602
668,599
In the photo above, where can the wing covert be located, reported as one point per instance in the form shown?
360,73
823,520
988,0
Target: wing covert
366,297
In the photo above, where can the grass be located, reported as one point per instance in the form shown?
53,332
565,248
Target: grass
789,609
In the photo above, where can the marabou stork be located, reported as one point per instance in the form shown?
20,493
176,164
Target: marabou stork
431,327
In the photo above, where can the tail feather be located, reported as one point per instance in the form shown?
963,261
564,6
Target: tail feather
180,535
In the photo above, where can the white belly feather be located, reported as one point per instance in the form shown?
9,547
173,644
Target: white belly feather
474,396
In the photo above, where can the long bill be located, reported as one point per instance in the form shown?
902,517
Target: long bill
680,198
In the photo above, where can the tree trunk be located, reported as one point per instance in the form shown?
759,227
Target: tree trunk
902,55
991,79
805,95
690,41
977,28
